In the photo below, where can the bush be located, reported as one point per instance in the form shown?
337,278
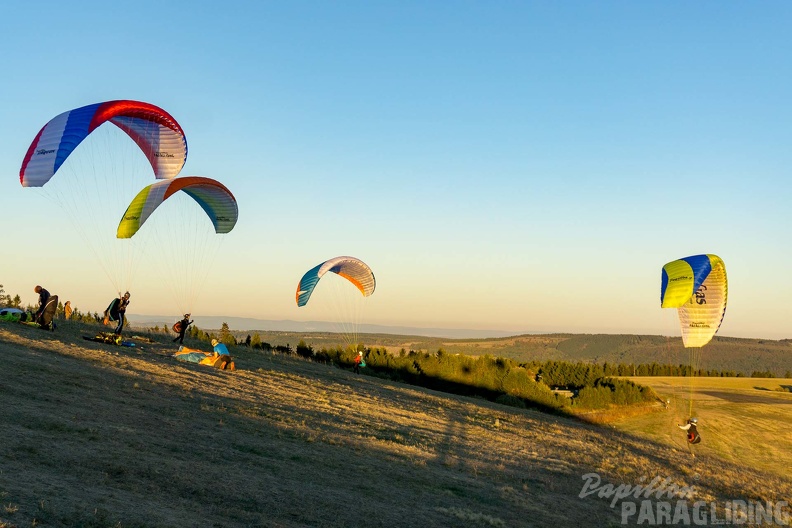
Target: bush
304,350
593,397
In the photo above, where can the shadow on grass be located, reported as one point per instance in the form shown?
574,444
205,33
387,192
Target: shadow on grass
436,383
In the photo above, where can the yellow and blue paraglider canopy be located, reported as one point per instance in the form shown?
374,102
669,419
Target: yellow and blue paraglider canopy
698,288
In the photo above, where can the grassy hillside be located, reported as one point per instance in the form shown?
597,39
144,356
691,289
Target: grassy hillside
722,353
96,435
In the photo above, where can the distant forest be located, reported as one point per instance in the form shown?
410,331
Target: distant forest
722,356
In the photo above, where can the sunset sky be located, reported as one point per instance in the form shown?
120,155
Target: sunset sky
518,166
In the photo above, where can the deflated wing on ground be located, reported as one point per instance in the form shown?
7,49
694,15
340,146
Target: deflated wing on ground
155,131
215,199
354,270
191,355
698,288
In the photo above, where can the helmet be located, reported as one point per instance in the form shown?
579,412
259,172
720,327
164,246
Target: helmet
214,342
693,420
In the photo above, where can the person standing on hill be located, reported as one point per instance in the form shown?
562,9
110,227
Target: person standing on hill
117,312
44,296
358,363
183,324
692,432
122,306
67,310
48,306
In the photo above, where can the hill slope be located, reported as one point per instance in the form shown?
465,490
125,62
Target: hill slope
96,435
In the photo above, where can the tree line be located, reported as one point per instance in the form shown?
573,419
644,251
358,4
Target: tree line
497,379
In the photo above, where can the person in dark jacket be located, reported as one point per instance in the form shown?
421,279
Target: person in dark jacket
183,324
117,312
44,296
48,306
693,436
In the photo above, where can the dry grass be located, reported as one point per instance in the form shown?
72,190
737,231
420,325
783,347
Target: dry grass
744,420
95,435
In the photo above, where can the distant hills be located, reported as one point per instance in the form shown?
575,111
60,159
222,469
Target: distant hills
251,324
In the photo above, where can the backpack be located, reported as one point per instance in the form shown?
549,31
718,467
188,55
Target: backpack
110,339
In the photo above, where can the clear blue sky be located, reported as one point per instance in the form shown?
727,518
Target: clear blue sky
525,166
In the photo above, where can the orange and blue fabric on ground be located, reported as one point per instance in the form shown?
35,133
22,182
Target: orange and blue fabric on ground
212,359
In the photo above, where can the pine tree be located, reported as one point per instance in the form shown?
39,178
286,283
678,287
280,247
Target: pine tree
225,335
4,299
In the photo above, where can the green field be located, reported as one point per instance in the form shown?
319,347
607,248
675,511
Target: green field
742,420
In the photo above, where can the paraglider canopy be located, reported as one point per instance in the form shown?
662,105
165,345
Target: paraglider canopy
698,288
352,269
213,197
155,131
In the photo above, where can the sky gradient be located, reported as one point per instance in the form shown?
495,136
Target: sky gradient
520,166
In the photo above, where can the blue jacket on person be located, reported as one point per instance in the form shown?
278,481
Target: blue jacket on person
221,350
